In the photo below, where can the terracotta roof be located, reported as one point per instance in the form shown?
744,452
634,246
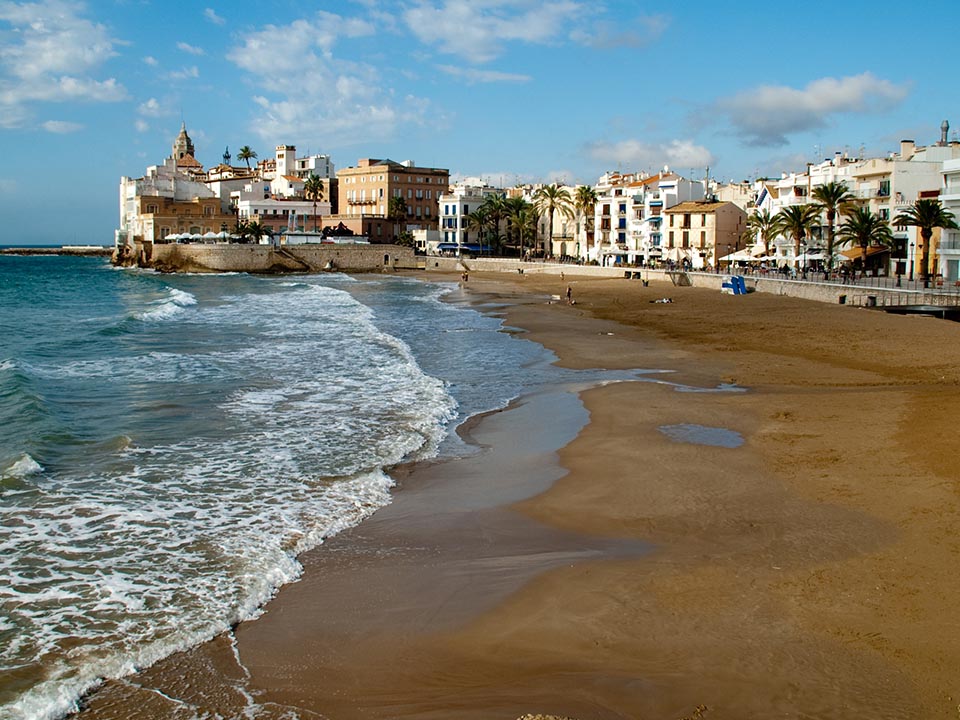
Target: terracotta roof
292,178
696,206
188,161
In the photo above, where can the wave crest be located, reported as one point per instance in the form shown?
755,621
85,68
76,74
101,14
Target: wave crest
168,307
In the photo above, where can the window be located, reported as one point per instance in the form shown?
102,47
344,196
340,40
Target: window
686,238
703,238
429,194
426,211
671,224
670,235
623,208
409,193
419,211
381,193
419,194
466,209
703,220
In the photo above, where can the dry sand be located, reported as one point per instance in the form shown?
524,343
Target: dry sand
810,572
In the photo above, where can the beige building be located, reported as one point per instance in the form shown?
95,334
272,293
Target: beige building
699,232
364,194
159,217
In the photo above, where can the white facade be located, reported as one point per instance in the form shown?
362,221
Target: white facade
256,201
628,214
455,206
160,181
949,247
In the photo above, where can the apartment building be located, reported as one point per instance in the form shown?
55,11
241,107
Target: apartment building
628,214
455,206
365,191
697,233
949,246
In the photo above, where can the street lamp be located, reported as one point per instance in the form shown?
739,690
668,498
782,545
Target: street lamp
910,262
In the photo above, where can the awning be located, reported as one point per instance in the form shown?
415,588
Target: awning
465,246
739,256
857,252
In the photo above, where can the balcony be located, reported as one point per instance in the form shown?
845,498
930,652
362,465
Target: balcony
363,201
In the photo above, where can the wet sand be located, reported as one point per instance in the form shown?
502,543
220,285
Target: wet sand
808,572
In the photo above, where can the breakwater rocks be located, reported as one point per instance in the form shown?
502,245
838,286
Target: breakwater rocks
93,250
266,258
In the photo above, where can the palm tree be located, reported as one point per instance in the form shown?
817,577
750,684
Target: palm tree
833,197
549,199
246,154
523,218
396,211
864,229
926,214
764,226
479,219
798,222
584,201
496,206
313,190
251,231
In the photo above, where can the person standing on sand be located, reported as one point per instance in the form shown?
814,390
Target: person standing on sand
569,295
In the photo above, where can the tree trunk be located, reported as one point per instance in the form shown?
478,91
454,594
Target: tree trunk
925,236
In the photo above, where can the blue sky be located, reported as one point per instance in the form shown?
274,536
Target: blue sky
512,90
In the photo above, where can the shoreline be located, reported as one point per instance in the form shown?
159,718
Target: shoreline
757,597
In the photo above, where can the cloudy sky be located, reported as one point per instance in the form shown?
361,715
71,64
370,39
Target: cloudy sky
506,89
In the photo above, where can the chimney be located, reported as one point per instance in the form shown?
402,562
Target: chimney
907,148
944,129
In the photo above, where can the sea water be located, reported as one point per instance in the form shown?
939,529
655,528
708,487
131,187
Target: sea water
170,444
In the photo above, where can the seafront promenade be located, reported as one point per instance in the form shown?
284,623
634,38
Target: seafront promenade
862,292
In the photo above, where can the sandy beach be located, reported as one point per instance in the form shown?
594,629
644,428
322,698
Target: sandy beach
767,530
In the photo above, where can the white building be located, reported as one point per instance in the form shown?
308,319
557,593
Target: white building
628,214
949,248
456,205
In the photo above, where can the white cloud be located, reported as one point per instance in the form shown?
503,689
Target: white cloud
472,75
766,115
187,73
65,88
637,32
150,108
61,127
305,89
50,54
151,61
211,15
679,155
141,125
477,30
191,49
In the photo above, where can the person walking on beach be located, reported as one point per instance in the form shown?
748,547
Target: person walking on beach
569,295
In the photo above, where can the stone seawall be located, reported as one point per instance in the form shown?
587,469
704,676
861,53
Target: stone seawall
269,258
857,295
